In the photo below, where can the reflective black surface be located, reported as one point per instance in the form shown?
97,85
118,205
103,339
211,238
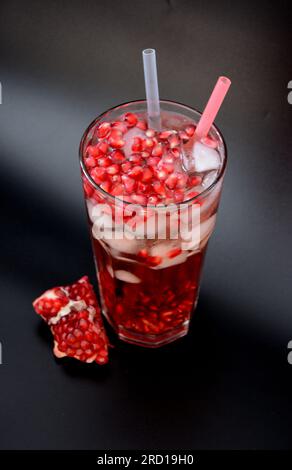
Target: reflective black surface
228,384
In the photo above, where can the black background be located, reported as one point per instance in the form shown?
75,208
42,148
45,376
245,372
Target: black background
228,384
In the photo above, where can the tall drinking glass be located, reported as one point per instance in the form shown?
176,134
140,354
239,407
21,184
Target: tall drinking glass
149,258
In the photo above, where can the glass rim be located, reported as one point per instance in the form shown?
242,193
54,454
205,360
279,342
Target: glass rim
161,206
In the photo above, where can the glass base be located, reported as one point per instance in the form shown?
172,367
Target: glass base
150,340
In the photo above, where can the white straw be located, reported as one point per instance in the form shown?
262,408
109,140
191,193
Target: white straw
151,86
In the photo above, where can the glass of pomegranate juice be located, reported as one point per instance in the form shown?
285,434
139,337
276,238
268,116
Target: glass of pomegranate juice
152,198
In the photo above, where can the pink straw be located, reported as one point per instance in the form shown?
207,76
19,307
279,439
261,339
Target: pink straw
212,107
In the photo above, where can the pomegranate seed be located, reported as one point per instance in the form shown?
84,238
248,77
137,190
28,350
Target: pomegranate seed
153,161
178,195
88,336
131,119
142,125
150,133
78,333
147,175
103,147
153,200
159,188
120,126
167,163
142,254
117,190
137,145
71,339
118,156
90,162
148,144
171,181
145,154
84,344
165,134
195,180
169,167
136,158
116,134
142,187
157,151
98,175
154,260
104,162
190,130
169,197
181,180
174,141
136,172
139,199
113,169
116,179
162,175
103,129
168,159
49,304
191,195
116,142
129,183
105,185
93,151
173,253
126,167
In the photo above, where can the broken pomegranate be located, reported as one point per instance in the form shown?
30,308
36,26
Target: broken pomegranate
73,314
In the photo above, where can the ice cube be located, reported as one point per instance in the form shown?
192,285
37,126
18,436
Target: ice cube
190,216
163,248
205,158
174,225
113,235
210,202
126,276
123,245
102,226
154,226
207,228
209,178
92,213
200,234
